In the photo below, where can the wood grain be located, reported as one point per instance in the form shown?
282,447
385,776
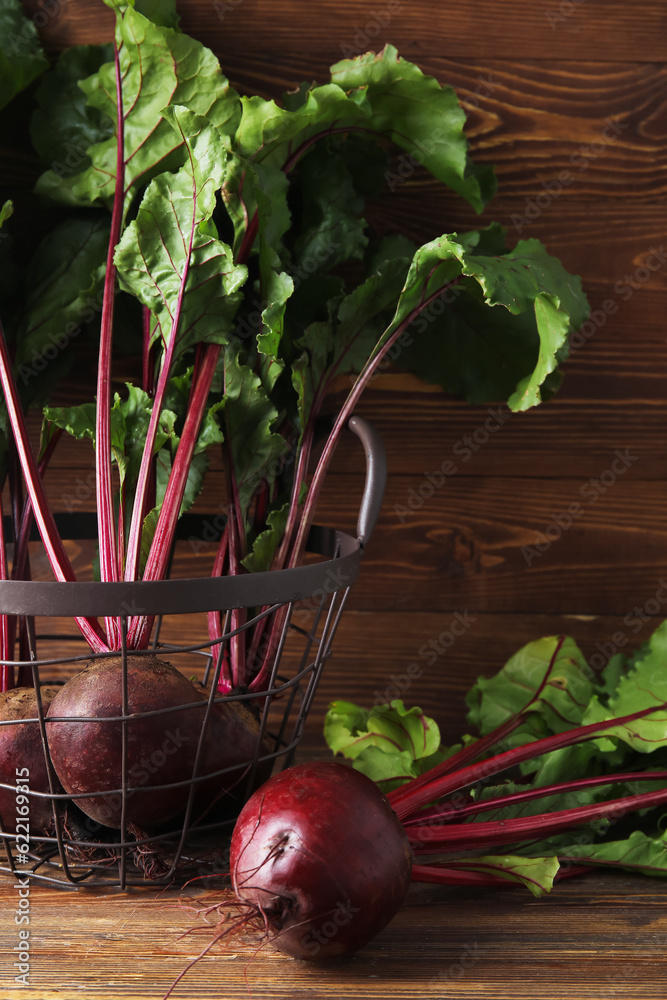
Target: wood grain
463,547
560,545
580,129
540,83
598,123
602,241
417,655
599,936
614,399
603,29
557,545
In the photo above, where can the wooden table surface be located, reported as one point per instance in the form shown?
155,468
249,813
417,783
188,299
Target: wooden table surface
539,83
598,937
594,937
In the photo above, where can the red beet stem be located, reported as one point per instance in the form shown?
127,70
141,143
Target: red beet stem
6,645
444,875
158,557
461,836
438,782
44,518
144,478
109,568
475,750
449,812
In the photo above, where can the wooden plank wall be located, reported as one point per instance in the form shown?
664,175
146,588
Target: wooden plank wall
549,86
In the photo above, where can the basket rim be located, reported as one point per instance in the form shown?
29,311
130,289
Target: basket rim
50,598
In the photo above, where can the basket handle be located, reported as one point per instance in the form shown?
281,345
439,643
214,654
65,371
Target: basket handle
376,476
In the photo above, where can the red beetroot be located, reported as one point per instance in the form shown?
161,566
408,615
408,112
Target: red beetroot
161,748
320,852
20,750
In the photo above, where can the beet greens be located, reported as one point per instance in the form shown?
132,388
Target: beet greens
585,751
321,859
229,232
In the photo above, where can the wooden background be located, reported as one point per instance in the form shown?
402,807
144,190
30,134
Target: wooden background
549,86
541,80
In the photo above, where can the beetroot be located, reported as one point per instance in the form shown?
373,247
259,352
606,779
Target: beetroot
161,749
232,738
320,852
20,750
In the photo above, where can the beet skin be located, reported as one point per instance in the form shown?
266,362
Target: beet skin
320,851
21,751
161,749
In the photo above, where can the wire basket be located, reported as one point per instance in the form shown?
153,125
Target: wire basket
69,846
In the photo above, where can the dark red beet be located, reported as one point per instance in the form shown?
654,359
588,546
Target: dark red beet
160,748
232,735
20,748
320,851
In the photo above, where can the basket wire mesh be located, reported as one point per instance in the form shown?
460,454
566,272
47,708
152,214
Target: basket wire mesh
306,603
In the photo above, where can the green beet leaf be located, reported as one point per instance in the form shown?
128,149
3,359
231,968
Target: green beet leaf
488,326
172,241
172,418
377,94
329,207
256,193
343,342
643,683
21,57
388,743
534,873
583,758
639,852
161,12
389,768
609,680
79,421
419,115
349,729
263,547
196,474
129,422
558,691
65,125
251,443
6,212
63,292
129,418
278,289
269,133
559,766
160,66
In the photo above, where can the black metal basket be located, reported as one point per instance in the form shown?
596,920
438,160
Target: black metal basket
308,600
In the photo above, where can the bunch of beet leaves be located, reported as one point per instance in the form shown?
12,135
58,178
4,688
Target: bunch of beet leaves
568,772
220,240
